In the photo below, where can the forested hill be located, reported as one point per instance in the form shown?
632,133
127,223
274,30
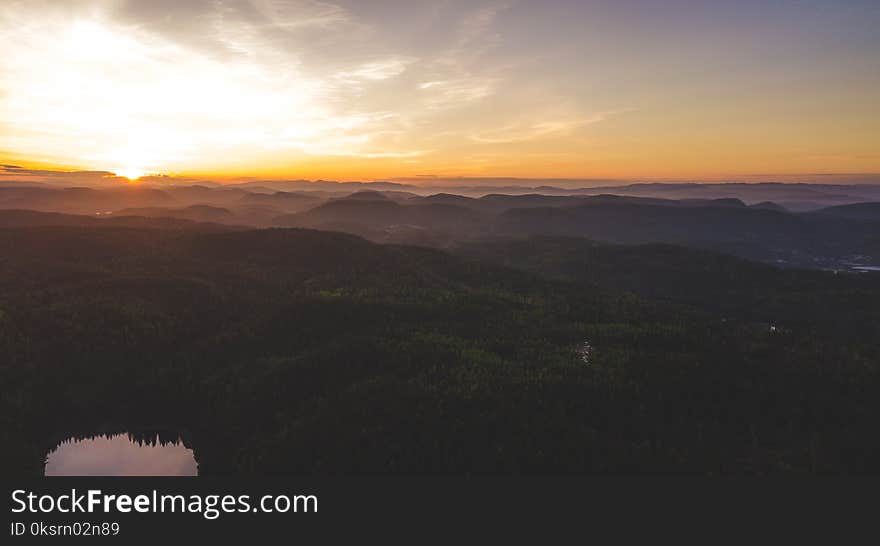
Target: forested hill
299,351
845,303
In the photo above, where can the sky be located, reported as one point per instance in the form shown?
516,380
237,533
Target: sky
361,90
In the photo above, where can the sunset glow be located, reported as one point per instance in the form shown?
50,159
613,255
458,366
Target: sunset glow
132,173
268,241
343,90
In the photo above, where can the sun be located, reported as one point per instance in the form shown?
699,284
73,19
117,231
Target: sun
132,173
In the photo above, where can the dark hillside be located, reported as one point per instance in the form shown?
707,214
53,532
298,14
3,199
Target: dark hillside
287,351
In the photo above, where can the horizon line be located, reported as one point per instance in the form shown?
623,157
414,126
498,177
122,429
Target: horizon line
17,173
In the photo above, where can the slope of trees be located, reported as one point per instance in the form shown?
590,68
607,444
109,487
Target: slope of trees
298,351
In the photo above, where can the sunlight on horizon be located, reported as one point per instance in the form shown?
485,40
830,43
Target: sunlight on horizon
131,173
145,101
313,89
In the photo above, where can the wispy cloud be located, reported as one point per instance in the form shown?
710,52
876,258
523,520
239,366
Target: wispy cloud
170,86
454,93
196,86
526,131
15,173
374,71
133,97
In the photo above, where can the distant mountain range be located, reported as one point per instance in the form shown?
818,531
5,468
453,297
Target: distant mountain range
793,196
795,193
755,221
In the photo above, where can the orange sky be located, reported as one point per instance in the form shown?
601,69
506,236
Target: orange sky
302,89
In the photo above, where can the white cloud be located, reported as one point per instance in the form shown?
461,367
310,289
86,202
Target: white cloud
374,71
171,86
446,93
539,127
124,98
